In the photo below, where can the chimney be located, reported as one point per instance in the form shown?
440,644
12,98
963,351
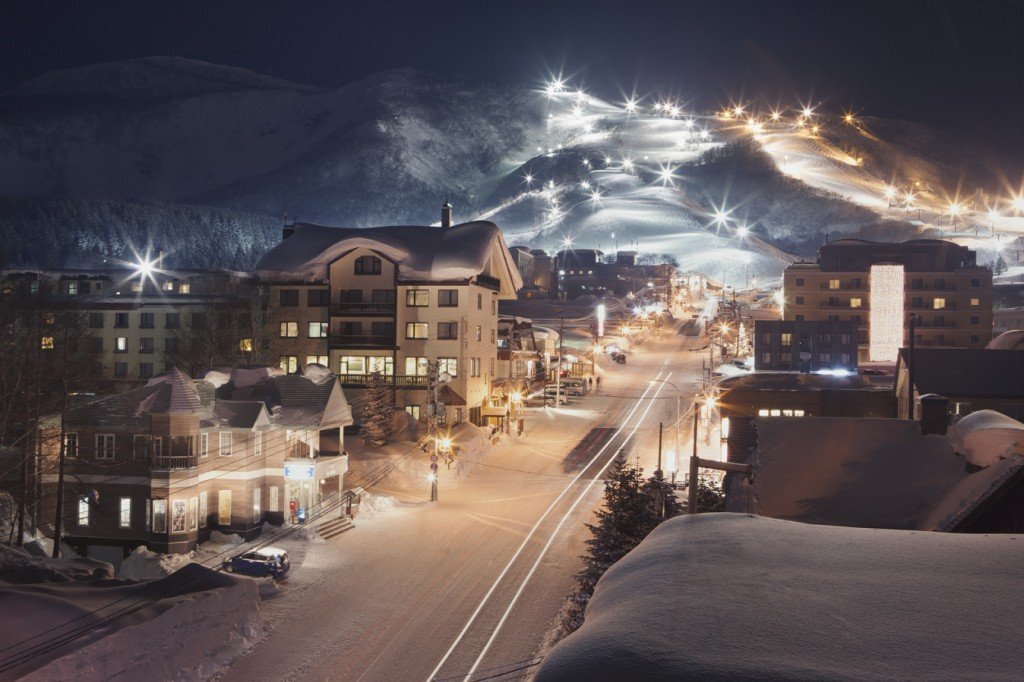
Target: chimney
446,214
288,228
934,414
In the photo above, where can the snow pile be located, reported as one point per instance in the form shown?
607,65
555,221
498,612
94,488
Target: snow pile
143,564
244,377
374,505
317,373
202,621
985,437
728,596
219,538
217,378
18,566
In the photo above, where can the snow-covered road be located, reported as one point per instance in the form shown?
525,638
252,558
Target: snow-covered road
470,586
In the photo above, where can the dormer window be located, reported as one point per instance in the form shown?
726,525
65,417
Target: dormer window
367,265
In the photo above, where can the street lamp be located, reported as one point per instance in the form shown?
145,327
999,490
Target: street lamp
679,395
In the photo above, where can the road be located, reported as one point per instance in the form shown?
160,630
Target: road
467,588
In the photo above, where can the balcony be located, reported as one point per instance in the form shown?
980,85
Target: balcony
488,282
361,309
400,381
361,341
844,287
935,325
931,287
843,306
928,305
174,462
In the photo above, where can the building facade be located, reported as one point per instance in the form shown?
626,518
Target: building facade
136,323
805,346
166,464
392,300
878,286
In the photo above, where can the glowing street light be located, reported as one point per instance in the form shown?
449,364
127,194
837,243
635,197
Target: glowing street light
1018,203
954,211
528,179
737,110
808,112
667,175
630,105
584,184
776,116
144,267
627,164
555,86
721,217
595,195
849,118
742,231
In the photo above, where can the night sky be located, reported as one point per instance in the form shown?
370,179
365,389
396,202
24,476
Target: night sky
950,64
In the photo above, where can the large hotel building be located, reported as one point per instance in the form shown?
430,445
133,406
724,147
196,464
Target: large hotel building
880,287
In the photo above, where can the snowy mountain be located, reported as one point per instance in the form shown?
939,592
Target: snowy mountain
100,148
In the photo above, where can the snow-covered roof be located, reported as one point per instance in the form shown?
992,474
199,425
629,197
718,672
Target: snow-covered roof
962,372
869,473
1009,340
422,253
986,436
730,596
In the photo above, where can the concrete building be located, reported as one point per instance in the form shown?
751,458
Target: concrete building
805,346
878,286
137,323
166,464
392,300
589,271
1008,319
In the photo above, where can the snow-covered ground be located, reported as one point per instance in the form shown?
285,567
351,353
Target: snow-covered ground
71,619
731,596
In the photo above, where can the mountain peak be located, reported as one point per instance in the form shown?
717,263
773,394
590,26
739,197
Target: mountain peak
151,78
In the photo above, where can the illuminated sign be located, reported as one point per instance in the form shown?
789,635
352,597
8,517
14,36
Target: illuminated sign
298,472
886,319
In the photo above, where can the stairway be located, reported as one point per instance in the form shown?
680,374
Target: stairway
334,527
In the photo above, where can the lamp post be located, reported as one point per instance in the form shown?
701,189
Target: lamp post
678,425
912,320
691,490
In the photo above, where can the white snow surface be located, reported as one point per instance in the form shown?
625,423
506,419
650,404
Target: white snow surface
731,596
986,436
317,373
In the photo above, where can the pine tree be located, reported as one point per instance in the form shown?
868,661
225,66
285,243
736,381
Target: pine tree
626,518
662,494
377,428
710,497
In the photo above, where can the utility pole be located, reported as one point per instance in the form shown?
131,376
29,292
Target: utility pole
910,366
558,369
658,473
691,490
59,515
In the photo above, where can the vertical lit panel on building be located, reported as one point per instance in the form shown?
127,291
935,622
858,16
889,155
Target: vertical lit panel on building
886,319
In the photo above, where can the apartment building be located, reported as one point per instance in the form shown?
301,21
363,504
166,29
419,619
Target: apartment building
391,300
879,286
165,464
805,346
136,323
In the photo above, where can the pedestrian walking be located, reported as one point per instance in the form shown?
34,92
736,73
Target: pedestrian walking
599,382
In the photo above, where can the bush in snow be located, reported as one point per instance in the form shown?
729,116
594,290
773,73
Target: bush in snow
377,429
710,497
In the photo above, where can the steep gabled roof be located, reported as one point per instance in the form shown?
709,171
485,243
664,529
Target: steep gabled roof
965,372
422,253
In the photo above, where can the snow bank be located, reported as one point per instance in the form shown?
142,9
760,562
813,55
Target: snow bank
373,505
244,377
143,564
18,566
985,437
729,596
219,538
217,378
211,619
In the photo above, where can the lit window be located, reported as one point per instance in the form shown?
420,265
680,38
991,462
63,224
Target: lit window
204,444
168,286
798,413
479,333
225,443
316,360
289,330
317,330
71,444
450,365
775,413
762,413
245,345
939,303
125,515
416,330
833,284
787,339
184,288
72,288
855,302
159,516
975,301
289,363
416,367
385,364
83,511
413,410
352,364
136,287
46,343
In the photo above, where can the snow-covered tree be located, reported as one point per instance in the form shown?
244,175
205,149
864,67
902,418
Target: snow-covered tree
377,429
710,497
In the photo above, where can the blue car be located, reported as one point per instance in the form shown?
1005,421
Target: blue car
270,561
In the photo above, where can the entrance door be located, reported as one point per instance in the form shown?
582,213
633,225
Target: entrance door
224,508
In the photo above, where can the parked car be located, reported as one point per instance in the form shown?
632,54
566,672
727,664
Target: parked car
555,396
620,358
271,561
574,387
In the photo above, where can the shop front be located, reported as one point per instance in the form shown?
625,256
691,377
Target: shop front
313,488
